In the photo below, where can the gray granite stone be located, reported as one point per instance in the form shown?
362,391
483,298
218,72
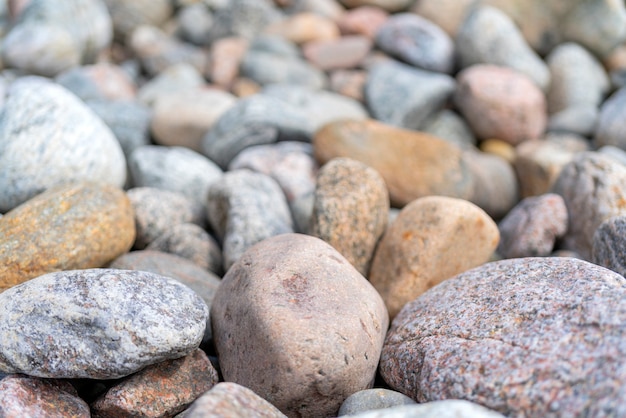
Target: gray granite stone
609,246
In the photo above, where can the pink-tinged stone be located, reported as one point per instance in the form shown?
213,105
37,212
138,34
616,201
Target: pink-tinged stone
342,53
305,27
350,83
224,60
364,20
98,81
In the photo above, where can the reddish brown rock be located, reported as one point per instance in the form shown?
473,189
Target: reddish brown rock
364,20
342,53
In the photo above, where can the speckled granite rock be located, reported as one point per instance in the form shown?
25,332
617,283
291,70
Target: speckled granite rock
98,324
508,333
453,408
59,230
609,248
371,399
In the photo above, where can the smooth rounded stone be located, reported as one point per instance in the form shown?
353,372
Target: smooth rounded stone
195,22
343,53
157,210
72,227
255,120
176,169
417,41
276,45
532,227
101,81
52,36
327,8
246,207
364,20
228,399
25,396
498,148
510,332
71,142
371,399
432,239
499,102
173,79
305,336
349,83
413,164
268,68
449,125
244,18
577,78
97,323
592,186
159,390
387,5
404,96
183,118
608,244
129,15
451,408
224,60
447,14
611,124
488,36
580,120
350,210
617,154
304,27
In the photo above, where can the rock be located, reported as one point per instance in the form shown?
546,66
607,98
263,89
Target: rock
591,185
129,15
72,143
350,210
61,228
499,148
488,36
24,396
52,36
371,399
174,79
162,389
405,96
101,81
195,22
608,244
326,344
268,68
450,126
348,83
417,41
364,20
611,121
275,45
97,324
528,327
327,8
387,5
617,154
229,399
432,239
244,18
304,27
451,408
343,53
224,60
579,120
245,208
447,14
413,164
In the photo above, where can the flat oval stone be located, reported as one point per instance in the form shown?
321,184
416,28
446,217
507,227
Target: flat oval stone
97,323
74,227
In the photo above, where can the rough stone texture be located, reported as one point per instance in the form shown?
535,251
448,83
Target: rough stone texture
405,96
350,210
297,324
417,41
453,408
611,121
364,20
72,143
270,68
244,18
413,164
450,126
532,227
129,15
304,27
81,226
101,81
24,396
244,208
525,337
231,400
175,78
97,324
609,249
592,186
431,240
343,53
387,5
488,36
370,399
160,390
501,103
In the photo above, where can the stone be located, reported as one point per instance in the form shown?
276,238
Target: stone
327,8
447,14
509,332
592,187
488,36
498,102
499,148
269,68
451,408
617,154
174,79
433,239
364,20
405,96
387,5
195,22
129,15
25,396
304,27
348,83
417,41
244,18
72,227
159,390
325,345
371,399
610,122
244,208
97,323
275,45
608,244
449,125
580,120
227,399
101,81
225,58
413,164
72,143
343,53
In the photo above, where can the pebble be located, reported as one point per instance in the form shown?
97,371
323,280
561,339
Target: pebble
387,5
617,154
176,78
269,68
129,15
304,27
195,22
528,327
97,324
73,227
371,399
500,148
417,41
449,125
72,143
244,18
101,81
580,120
432,239
608,244
611,121
363,20
348,83
413,164
449,15
326,344
501,103
451,408
343,53
224,60
350,210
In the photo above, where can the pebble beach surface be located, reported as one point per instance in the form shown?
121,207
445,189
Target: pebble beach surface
312,208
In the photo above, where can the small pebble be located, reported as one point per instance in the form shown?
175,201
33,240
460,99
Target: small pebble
343,53
364,20
371,399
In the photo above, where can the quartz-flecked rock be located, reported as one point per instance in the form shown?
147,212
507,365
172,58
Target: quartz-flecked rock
73,227
524,337
371,399
452,408
297,324
97,323
609,247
